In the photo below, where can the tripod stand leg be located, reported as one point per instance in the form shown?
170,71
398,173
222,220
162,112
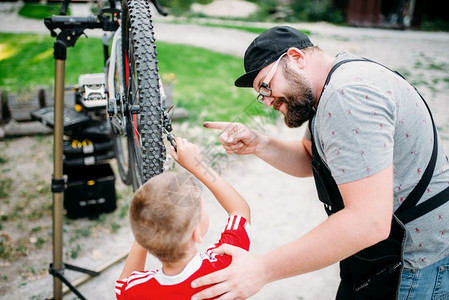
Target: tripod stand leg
65,38
81,270
58,196
58,274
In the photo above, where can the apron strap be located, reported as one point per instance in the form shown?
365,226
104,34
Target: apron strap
425,207
408,210
414,196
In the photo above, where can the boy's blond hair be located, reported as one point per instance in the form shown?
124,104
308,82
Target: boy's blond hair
163,213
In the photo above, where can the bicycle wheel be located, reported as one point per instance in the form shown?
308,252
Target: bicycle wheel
122,157
142,93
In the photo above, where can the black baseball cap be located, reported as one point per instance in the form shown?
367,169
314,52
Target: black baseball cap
266,48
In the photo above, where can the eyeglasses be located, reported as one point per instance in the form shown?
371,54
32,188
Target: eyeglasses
264,90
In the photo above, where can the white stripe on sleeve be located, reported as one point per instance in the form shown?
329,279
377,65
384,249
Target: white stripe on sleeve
237,222
231,219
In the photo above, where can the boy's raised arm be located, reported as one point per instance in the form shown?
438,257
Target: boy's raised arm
135,261
189,156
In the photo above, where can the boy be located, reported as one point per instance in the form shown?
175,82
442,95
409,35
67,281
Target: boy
168,218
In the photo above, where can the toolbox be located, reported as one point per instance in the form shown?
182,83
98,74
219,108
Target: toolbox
97,130
90,191
72,118
88,146
86,152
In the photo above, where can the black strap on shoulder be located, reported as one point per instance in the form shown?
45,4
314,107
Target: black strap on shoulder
334,67
409,210
423,208
416,194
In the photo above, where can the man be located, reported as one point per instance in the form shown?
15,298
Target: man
374,151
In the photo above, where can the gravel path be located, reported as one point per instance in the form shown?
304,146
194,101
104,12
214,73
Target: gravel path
283,207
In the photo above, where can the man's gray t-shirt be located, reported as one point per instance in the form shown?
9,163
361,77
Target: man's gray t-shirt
369,117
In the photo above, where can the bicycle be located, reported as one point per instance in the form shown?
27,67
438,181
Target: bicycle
134,103
135,98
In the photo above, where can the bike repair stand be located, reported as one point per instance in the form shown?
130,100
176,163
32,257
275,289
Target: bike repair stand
66,38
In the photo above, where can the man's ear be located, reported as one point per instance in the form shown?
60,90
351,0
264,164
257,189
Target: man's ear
297,56
196,235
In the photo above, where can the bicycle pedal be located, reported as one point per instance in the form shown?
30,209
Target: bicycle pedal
93,87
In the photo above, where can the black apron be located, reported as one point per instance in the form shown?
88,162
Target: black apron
374,273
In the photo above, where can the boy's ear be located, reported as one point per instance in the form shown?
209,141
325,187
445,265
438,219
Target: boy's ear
196,235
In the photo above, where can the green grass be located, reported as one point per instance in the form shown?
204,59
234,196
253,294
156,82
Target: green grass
226,24
204,79
257,30
205,82
26,60
40,11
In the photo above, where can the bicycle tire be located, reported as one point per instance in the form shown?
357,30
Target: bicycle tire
122,157
142,92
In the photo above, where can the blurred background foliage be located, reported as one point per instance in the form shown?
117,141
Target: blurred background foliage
299,11
179,7
427,14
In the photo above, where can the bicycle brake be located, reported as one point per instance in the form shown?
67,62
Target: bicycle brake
171,139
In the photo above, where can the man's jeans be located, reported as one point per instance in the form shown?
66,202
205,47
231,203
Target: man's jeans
430,283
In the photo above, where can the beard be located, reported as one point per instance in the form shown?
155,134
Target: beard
299,99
